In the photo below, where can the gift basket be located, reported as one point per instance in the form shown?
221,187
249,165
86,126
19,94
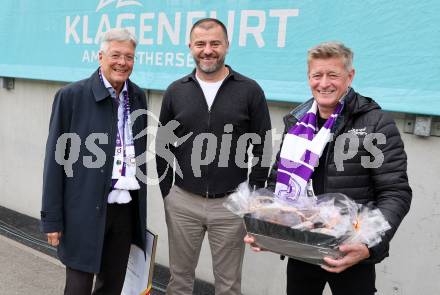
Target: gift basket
308,229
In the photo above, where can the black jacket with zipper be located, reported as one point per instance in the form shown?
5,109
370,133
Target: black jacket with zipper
239,105
386,186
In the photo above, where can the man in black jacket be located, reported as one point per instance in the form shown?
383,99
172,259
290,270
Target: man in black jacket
222,112
373,174
93,205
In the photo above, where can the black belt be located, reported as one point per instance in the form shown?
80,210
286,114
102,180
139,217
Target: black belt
216,196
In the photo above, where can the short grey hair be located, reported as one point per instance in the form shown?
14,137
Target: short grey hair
331,49
116,34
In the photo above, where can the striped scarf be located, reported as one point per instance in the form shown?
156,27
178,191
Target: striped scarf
300,153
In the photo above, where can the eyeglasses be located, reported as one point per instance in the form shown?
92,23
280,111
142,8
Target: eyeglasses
117,57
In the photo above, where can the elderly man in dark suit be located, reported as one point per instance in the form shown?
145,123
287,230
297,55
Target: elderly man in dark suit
94,202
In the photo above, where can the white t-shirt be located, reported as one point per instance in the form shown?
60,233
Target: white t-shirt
210,90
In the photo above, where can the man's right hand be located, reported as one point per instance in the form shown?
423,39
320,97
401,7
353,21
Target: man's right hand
248,239
53,238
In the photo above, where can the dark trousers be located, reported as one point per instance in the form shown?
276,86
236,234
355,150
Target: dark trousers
117,241
309,279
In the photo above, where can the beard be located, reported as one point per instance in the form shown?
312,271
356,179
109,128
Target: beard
212,68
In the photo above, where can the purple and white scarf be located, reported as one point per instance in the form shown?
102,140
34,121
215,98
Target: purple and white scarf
124,160
300,153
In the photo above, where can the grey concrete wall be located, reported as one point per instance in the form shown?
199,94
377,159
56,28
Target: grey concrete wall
24,121
412,268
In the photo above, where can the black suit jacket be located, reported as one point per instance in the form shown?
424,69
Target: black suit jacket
74,200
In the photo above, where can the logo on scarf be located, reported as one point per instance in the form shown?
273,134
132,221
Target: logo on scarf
289,192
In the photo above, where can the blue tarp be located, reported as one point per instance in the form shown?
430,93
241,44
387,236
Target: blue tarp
396,43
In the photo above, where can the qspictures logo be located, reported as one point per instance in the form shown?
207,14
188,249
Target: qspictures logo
67,157
204,148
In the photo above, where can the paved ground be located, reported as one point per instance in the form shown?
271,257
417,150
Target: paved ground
24,270
29,266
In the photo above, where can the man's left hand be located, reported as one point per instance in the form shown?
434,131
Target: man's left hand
353,254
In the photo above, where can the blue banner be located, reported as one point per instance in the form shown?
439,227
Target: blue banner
396,43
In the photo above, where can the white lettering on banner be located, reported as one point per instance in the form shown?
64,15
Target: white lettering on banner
104,22
149,58
70,29
86,38
90,56
173,33
256,31
121,3
152,28
230,26
283,14
160,58
144,28
125,16
190,17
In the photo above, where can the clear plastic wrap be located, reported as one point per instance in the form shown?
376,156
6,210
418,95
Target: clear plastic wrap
309,228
